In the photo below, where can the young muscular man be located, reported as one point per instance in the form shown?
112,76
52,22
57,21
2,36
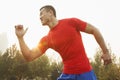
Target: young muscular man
65,38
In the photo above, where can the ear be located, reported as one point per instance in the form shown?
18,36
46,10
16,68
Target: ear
51,12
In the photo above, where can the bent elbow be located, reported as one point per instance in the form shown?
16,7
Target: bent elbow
28,59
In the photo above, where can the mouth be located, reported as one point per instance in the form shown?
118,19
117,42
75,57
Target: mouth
42,21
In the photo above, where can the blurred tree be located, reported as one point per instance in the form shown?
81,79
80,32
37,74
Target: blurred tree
39,67
106,72
12,64
56,70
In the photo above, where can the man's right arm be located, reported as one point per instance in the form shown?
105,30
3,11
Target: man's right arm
29,54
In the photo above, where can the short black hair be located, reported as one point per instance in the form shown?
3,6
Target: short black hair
48,8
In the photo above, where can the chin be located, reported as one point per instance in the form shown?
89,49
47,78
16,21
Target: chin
44,24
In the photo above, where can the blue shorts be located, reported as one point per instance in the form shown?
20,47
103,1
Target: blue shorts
85,76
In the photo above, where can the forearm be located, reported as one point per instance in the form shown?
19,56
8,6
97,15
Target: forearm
24,49
99,38
28,54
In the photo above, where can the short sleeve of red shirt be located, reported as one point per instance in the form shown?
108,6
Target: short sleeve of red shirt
78,24
43,44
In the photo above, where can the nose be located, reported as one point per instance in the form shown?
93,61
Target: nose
41,17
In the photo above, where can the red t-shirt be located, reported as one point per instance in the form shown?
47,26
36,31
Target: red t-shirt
65,38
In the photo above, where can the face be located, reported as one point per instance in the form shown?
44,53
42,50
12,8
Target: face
44,17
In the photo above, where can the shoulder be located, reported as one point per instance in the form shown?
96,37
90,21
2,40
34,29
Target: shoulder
72,20
68,19
44,39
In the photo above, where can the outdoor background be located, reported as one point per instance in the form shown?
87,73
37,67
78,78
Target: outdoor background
104,14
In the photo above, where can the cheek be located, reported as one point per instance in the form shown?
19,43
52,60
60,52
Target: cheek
46,18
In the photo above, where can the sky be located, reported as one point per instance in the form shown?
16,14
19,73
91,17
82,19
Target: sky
103,14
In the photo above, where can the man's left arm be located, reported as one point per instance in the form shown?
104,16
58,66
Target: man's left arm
100,40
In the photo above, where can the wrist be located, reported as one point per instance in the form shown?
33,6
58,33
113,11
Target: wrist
20,39
106,51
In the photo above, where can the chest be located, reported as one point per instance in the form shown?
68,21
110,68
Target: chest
62,35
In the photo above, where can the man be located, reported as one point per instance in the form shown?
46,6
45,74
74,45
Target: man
65,38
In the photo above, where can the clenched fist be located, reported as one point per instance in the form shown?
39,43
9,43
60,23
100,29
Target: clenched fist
19,30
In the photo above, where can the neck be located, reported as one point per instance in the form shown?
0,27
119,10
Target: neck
53,23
